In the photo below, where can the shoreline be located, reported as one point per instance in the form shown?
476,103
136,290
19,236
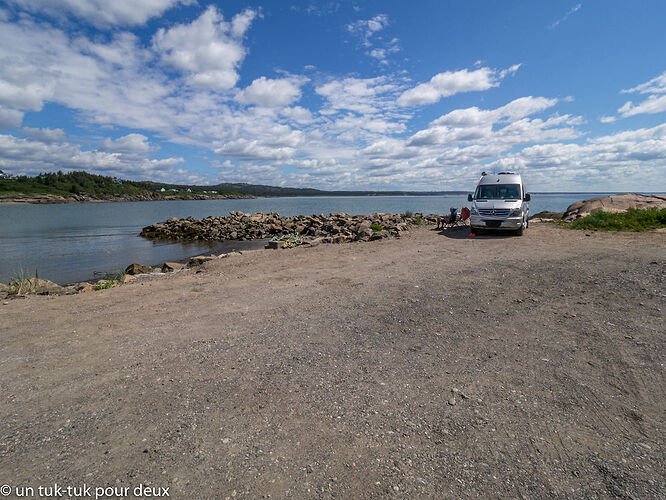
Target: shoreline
51,199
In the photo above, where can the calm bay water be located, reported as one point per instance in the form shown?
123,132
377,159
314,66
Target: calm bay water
73,242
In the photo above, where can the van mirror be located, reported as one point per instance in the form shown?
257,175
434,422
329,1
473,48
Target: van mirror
469,197
527,197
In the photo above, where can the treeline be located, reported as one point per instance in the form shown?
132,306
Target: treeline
74,183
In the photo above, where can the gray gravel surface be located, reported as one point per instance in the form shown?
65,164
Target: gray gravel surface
437,365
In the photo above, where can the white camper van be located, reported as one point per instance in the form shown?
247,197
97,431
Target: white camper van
499,202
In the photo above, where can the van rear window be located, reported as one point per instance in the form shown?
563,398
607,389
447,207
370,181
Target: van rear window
498,192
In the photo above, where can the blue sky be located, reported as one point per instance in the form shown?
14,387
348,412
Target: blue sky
337,95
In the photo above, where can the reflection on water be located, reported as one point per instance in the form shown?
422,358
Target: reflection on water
71,242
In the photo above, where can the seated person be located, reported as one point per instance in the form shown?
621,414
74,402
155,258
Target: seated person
447,220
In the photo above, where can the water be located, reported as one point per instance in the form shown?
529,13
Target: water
73,242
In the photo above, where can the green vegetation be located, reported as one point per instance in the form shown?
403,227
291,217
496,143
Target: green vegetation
110,280
106,285
418,220
631,220
98,186
23,283
376,228
408,213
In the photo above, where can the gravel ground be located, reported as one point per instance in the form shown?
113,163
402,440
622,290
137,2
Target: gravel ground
437,365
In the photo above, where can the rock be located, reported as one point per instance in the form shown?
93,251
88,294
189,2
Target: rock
199,259
613,203
546,215
87,288
378,235
337,228
4,290
169,267
128,277
45,287
452,401
138,269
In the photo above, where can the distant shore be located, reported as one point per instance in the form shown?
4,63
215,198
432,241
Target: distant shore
45,199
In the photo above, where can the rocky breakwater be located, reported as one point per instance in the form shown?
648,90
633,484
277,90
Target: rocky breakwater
334,228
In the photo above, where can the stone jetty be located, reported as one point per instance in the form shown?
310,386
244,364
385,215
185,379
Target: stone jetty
334,228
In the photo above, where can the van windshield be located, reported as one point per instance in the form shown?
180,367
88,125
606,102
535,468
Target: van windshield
498,192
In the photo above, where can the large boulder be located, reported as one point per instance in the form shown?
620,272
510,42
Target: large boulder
169,267
613,203
138,269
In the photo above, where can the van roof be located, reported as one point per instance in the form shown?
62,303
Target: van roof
503,178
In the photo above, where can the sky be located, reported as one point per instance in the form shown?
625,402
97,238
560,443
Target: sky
379,95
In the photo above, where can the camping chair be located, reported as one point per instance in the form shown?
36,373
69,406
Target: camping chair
455,220
443,222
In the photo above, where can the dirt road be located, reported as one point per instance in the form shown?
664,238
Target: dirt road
435,365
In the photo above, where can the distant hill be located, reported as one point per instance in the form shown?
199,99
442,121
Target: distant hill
274,191
103,187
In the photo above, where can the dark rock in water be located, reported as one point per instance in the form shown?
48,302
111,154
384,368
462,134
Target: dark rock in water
138,269
168,267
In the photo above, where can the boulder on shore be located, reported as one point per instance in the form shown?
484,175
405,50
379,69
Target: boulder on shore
138,269
613,203
169,267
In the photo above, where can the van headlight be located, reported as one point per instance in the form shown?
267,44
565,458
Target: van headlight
474,211
515,212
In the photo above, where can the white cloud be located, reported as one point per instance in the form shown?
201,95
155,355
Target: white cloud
32,156
361,95
10,118
103,13
271,93
655,103
655,86
573,10
130,144
208,50
367,28
45,135
298,114
449,83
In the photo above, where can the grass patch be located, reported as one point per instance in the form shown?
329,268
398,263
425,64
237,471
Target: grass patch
409,214
108,284
418,220
376,228
23,283
110,280
631,220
